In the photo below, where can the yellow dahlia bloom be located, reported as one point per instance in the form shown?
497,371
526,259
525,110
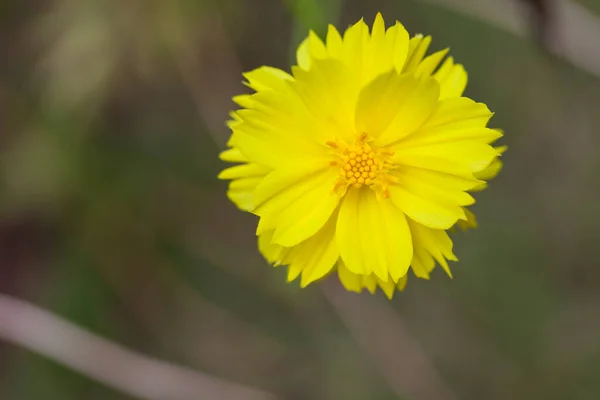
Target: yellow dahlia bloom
361,159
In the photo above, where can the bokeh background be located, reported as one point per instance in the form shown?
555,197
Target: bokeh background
112,114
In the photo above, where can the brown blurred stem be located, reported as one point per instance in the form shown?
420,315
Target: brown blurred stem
573,26
139,376
542,20
380,331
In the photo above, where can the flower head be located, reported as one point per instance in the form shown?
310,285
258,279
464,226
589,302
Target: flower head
361,159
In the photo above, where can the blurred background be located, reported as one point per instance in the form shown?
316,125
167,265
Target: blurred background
112,114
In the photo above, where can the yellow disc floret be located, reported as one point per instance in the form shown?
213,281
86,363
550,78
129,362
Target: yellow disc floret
361,165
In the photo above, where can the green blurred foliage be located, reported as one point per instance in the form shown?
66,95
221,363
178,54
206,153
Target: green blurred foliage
112,114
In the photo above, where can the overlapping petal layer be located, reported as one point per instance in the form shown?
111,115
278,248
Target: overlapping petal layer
361,159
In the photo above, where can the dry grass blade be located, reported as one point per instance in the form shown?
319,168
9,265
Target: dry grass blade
139,376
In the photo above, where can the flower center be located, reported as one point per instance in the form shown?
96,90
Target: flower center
361,165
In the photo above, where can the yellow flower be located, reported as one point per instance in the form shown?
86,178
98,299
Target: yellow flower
361,159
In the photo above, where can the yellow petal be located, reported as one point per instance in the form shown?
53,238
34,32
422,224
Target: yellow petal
356,283
267,78
303,216
490,171
500,149
422,263
412,113
385,51
417,48
444,71
311,48
452,78
388,287
350,280
459,113
441,180
273,253
241,192
313,258
373,236
433,186
435,242
263,141
318,254
397,43
367,56
356,39
285,115
245,178
370,282
247,184
378,51
402,282
244,171
232,124
454,120
470,223
244,101
278,189
329,93
277,126
232,155
335,45
290,182
430,63
294,271
457,158
242,199
424,209
395,233
348,234
381,100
